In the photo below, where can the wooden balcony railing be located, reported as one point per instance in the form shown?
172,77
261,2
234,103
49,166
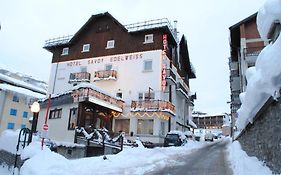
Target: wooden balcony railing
85,93
105,75
152,105
180,87
79,77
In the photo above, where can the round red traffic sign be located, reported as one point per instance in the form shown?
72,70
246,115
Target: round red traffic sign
45,127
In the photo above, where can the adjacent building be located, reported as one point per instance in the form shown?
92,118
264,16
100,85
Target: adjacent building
131,78
17,92
245,46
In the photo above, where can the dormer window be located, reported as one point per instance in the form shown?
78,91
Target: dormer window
65,51
110,44
148,39
86,48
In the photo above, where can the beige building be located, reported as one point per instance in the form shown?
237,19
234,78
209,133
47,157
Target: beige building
16,95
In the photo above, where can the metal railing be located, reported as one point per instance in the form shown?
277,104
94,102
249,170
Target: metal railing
151,24
152,105
181,86
253,51
58,41
79,77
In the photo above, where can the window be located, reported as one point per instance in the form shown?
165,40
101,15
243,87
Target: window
162,131
108,67
110,44
65,51
25,114
145,126
119,94
22,126
72,119
55,113
122,125
86,48
16,98
11,126
148,96
148,38
140,96
13,112
147,65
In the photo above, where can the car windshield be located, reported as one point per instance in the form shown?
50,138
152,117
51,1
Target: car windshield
172,136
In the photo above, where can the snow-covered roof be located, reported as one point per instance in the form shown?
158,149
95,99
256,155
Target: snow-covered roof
21,83
20,90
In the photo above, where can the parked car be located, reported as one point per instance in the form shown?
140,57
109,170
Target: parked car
189,135
175,138
209,136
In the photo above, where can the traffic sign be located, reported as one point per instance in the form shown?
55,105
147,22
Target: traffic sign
45,127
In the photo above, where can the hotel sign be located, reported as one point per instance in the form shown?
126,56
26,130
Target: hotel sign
165,43
163,77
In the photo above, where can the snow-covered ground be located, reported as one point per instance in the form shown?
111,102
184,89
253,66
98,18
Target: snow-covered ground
130,161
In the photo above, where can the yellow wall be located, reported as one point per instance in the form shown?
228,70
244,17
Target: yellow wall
20,106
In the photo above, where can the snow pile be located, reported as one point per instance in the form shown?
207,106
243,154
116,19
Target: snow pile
242,164
9,140
264,80
129,161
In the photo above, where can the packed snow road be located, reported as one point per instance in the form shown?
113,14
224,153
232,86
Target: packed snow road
209,160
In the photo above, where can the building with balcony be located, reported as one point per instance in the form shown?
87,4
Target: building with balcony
132,78
245,46
17,93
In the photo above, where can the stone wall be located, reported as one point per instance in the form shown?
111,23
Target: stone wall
262,139
8,158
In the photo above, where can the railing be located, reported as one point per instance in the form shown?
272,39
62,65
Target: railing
79,77
85,93
180,86
152,105
151,24
170,74
252,51
105,75
234,73
58,41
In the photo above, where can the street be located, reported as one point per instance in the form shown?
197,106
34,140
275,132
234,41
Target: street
209,160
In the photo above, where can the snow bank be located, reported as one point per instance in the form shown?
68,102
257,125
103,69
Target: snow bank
242,164
265,79
129,161
9,140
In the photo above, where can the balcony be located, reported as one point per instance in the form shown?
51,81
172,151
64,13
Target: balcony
251,54
170,76
105,75
182,90
153,106
79,77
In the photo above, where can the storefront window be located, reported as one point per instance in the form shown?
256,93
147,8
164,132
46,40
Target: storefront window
145,126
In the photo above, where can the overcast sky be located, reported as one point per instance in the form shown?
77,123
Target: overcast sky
26,24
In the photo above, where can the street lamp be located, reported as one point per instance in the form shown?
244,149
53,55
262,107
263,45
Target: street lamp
35,108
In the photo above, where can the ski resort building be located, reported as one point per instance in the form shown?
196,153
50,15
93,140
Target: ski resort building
130,78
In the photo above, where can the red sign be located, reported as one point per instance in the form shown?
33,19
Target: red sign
165,43
164,74
45,127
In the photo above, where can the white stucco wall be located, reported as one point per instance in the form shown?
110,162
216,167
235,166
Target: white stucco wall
58,128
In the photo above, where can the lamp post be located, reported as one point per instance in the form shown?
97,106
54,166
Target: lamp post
35,108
